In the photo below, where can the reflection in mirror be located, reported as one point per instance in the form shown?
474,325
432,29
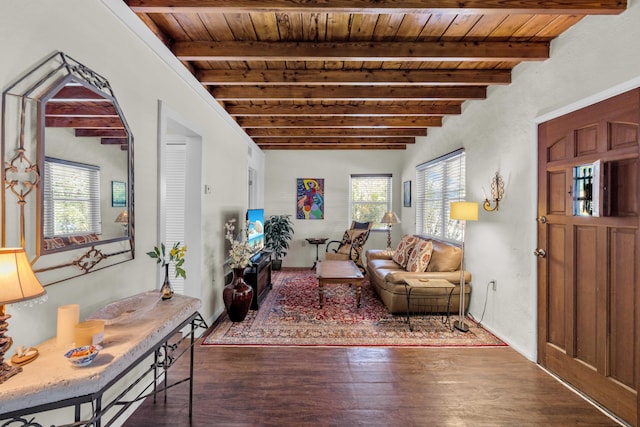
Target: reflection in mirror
85,149
64,136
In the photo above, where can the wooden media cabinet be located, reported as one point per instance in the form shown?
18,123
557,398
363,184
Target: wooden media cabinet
258,276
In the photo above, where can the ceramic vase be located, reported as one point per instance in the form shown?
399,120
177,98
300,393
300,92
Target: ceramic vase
166,290
237,296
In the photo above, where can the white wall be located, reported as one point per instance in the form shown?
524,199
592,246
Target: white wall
91,33
283,167
595,59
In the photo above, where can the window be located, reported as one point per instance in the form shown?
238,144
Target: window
71,198
370,198
440,182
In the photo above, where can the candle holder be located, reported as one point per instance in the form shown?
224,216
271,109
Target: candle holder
497,192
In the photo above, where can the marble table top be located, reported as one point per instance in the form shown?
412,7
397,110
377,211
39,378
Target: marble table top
51,378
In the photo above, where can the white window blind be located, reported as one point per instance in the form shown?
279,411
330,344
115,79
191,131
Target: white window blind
176,175
370,198
71,198
440,182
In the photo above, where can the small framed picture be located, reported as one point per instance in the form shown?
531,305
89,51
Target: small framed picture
407,194
118,194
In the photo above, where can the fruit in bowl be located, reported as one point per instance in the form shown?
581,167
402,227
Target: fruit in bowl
82,356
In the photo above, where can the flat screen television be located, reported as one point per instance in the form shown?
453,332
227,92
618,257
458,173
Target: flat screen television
255,229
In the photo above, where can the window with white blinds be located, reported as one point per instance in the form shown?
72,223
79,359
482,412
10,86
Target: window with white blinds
440,182
175,168
71,198
370,198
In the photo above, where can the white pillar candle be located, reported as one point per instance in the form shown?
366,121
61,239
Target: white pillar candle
68,318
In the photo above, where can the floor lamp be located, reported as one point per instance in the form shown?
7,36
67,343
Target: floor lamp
463,211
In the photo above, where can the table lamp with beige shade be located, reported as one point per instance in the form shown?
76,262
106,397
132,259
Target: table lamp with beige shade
389,218
18,283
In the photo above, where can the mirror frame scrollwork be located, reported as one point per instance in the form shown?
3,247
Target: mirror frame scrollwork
22,155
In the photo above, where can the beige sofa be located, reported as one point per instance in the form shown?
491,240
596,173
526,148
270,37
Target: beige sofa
387,277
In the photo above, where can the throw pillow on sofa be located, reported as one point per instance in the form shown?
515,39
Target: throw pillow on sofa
403,250
420,256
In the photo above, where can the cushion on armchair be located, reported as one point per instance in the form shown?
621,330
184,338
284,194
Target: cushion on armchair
351,237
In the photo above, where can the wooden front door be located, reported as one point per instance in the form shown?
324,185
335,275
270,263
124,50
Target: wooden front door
588,251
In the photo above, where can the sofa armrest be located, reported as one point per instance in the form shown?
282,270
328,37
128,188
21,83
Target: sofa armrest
379,254
452,276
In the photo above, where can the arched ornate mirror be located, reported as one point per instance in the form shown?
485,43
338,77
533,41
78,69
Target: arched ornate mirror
68,171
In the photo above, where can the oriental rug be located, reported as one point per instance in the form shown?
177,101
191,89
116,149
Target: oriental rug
290,315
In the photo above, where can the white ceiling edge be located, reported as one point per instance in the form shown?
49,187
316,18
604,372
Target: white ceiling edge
121,11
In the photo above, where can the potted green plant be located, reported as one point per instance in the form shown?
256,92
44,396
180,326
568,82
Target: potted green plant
278,231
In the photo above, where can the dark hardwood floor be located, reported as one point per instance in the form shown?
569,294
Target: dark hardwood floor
319,386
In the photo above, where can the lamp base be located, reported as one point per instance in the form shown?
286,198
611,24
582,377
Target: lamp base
461,326
7,371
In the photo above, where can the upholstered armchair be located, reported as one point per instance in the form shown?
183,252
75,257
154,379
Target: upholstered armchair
350,247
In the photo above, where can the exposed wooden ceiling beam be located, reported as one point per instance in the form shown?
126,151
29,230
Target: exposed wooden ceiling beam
360,51
339,122
337,140
349,93
117,133
84,122
343,110
332,146
78,92
341,132
352,63
113,141
354,77
376,6
85,108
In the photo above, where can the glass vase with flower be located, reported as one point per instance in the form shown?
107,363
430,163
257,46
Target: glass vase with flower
176,256
237,295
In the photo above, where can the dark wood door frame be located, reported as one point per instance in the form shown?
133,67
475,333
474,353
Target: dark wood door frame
588,293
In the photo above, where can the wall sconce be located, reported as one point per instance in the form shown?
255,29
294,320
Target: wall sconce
497,192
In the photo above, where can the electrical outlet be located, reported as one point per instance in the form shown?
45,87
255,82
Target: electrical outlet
494,285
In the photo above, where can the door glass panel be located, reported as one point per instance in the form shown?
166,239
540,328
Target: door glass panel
585,189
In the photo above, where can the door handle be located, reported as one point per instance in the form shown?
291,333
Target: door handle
540,253
543,219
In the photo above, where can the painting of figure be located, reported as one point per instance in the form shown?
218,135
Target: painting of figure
310,198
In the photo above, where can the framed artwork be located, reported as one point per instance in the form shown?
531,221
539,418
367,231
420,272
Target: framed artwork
310,198
407,194
118,194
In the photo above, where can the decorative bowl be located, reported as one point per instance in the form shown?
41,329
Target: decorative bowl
82,356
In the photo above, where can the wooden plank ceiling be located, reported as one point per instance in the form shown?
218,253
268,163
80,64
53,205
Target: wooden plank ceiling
355,74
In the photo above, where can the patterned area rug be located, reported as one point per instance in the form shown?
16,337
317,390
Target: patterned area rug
290,315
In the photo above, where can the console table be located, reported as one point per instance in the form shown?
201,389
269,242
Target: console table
258,276
51,382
